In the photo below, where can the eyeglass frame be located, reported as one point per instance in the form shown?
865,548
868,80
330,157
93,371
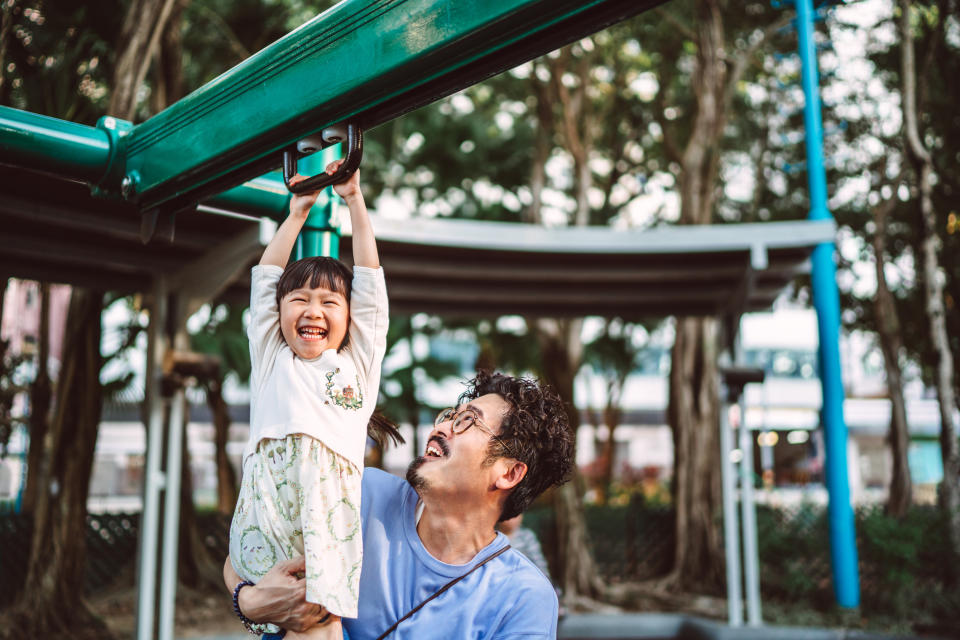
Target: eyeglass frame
454,417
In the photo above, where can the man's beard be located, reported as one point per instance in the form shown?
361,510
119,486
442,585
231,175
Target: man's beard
417,481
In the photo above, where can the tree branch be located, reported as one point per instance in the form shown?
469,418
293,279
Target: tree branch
674,21
909,92
743,59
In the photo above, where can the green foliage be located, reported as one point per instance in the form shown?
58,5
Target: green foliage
787,544
223,335
400,398
117,374
903,562
908,556
219,34
59,58
614,351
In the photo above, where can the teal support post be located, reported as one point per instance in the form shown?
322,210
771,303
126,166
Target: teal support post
320,236
826,300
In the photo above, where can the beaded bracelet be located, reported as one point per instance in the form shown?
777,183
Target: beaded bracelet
248,624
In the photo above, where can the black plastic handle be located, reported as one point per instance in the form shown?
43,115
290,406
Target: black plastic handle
351,163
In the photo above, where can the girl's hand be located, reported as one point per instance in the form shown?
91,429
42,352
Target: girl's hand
348,188
300,203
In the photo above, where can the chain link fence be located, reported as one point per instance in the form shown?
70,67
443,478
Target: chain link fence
904,563
111,549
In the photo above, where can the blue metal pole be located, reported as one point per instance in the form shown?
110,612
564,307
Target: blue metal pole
826,300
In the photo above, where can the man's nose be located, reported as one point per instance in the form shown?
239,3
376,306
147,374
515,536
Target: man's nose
443,429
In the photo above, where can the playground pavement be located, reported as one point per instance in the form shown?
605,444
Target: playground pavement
650,626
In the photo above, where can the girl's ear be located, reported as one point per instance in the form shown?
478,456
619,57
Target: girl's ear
512,475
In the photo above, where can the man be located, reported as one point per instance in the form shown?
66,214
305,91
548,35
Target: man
485,461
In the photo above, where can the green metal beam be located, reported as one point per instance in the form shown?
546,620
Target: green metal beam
62,148
363,60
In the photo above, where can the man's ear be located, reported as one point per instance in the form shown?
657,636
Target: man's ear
512,475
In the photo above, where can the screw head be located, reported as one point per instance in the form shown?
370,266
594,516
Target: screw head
126,186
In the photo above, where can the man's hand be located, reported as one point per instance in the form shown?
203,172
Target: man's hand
279,597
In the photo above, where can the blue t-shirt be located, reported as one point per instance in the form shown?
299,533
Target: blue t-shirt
506,598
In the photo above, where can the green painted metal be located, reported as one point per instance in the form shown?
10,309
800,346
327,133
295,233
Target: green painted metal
265,196
66,149
363,60
95,155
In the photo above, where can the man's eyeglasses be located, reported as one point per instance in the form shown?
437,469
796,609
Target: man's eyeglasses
466,419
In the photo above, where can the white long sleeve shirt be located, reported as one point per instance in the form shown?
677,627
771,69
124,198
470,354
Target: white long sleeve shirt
330,397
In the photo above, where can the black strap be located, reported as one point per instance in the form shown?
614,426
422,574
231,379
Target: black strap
441,590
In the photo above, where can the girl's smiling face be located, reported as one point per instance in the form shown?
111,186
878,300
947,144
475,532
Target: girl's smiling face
313,320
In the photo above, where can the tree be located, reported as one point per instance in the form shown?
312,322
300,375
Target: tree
694,143
223,337
612,355
922,163
41,396
54,582
54,69
144,24
399,395
900,496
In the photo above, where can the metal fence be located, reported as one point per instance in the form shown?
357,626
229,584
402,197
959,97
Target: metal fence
111,549
903,563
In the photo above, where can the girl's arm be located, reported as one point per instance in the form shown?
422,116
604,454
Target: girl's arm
278,251
364,243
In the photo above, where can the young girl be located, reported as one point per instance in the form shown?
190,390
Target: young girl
316,348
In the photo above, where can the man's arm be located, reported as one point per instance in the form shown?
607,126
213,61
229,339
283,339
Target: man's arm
279,597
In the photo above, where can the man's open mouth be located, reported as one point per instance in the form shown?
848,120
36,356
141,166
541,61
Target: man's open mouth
312,333
436,448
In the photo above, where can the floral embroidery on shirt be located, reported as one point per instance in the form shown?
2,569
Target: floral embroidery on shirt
345,397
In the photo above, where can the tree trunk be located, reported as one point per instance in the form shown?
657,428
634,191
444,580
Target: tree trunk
693,412
226,476
168,72
144,23
541,151
196,567
933,290
51,603
560,349
41,392
891,343
612,415
693,409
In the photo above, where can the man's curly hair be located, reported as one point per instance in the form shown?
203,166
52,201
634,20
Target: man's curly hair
536,432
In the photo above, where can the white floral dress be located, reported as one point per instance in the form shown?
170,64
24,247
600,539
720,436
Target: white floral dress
300,491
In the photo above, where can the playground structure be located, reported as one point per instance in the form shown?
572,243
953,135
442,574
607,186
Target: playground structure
117,185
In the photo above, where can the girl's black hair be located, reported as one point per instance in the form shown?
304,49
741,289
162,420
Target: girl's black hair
383,430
